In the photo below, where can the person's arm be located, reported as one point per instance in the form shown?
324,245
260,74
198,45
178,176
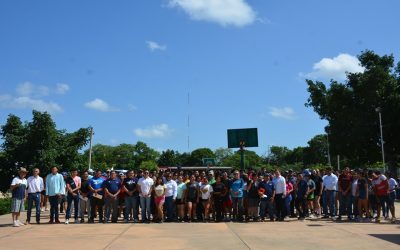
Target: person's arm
41,184
273,196
70,190
47,186
138,189
175,190
62,185
284,187
118,192
126,190
14,184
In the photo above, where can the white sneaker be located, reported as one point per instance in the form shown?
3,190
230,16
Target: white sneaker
20,223
15,224
66,222
42,209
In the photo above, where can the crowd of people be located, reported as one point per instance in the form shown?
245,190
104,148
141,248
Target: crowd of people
205,196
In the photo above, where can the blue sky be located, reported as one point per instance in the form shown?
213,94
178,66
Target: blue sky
126,67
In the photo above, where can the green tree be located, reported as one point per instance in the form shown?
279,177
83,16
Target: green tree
168,158
221,154
148,165
197,156
251,160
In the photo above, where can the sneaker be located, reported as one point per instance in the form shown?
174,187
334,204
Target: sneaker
20,223
66,221
82,220
76,221
42,209
126,221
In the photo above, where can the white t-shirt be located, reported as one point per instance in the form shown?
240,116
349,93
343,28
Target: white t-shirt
354,187
159,190
17,180
392,184
206,191
145,185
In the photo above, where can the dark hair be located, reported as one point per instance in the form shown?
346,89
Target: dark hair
98,170
161,179
328,169
74,169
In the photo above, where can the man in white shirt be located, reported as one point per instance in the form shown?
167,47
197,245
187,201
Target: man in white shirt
329,182
170,197
145,186
280,194
35,187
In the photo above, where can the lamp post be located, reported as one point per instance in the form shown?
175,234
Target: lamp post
329,153
382,142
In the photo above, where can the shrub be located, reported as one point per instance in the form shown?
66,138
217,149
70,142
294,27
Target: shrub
5,206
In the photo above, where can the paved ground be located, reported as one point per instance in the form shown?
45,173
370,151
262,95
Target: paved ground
278,235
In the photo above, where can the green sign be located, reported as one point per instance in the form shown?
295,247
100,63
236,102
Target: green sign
247,137
208,162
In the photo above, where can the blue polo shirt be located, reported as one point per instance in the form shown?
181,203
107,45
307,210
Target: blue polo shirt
112,186
97,183
302,188
268,188
237,186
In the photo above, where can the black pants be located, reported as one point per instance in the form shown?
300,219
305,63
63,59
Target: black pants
219,211
301,206
96,203
280,206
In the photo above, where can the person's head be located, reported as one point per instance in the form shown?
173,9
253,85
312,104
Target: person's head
169,176
159,181
74,172
180,179
355,175
54,170
300,177
146,174
346,170
205,181
254,177
98,173
122,176
329,171
113,174
35,172
225,175
378,173
192,178
131,174
277,173
22,172
85,175
236,175
218,178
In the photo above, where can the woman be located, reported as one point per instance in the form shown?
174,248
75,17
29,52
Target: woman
43,198
253,198
206,190
288,198
180,199
159,199
362,193
192,198
219,193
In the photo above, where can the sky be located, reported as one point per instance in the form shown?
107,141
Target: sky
136,69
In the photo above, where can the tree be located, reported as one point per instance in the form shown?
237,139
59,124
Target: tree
168,158
317,151
350,109
197,156
251,159
221,154
148,165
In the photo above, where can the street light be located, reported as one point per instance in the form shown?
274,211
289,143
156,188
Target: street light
382,142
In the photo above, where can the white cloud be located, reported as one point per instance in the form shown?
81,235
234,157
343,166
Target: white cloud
156,131
30,89
132,107
224,12
335,68
100,105
153,46
284,113
7,101
62,88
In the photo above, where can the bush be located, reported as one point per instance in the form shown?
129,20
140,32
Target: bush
5,206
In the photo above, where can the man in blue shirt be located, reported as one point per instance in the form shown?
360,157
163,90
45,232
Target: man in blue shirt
96,187
55,189
301,198
266,191
236,191
112,188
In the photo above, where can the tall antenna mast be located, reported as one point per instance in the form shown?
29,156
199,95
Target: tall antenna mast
188,121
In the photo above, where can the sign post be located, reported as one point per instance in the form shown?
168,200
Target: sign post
241,138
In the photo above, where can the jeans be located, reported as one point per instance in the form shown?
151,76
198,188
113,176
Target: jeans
329,202
354,202
237,207
345,204
264,204
96,204
75,199
111,204
53,207
288,201
33,197
169,204
145,205
218,206
280,206
130,205
84,206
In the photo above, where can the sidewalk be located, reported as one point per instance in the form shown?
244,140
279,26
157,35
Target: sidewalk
324,234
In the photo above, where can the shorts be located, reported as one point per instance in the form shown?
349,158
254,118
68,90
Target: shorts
205,200
121,201
382,199
179,202
17,205
158,200
310,197
392,198
192,200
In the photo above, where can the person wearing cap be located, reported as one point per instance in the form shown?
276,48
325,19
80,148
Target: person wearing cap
236,191
266,192
18,190
55,189
112,188
35,188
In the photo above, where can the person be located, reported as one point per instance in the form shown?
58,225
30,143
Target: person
315,176
381,190
301,197
310,193
43,197
18,190
253,198
288,198
112,188
362,194
170,196
266,192
97,202
55,190
236,192
35,187
145,187
219,193
73,187
329,182
131,193
180,198
159,199
85,197
121,197
206,192
392,196
227,203
344,185
280,195
192,198
354,196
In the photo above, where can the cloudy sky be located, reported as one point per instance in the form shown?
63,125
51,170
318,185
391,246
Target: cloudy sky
127,67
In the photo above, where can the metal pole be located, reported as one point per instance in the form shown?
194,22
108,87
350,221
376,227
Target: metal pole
90,148
329,154
242,155
338,162
382,142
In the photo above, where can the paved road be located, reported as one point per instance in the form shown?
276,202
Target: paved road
278,235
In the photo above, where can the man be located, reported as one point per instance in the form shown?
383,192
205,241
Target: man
315,176
310,193
381,190
145,187
112,188
170,197
236,191
301,197
18,189
85,197
35,187
131,193
97,203
266,192
280,194
329,182
55,189
73,187
345,180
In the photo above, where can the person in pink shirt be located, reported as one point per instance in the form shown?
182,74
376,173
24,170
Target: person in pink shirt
288,198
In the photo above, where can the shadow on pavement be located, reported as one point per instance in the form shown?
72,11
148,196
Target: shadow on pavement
393,238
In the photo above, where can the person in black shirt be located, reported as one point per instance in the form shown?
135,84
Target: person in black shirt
129,186
315,176
219,193
253,198
73,186
85,197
